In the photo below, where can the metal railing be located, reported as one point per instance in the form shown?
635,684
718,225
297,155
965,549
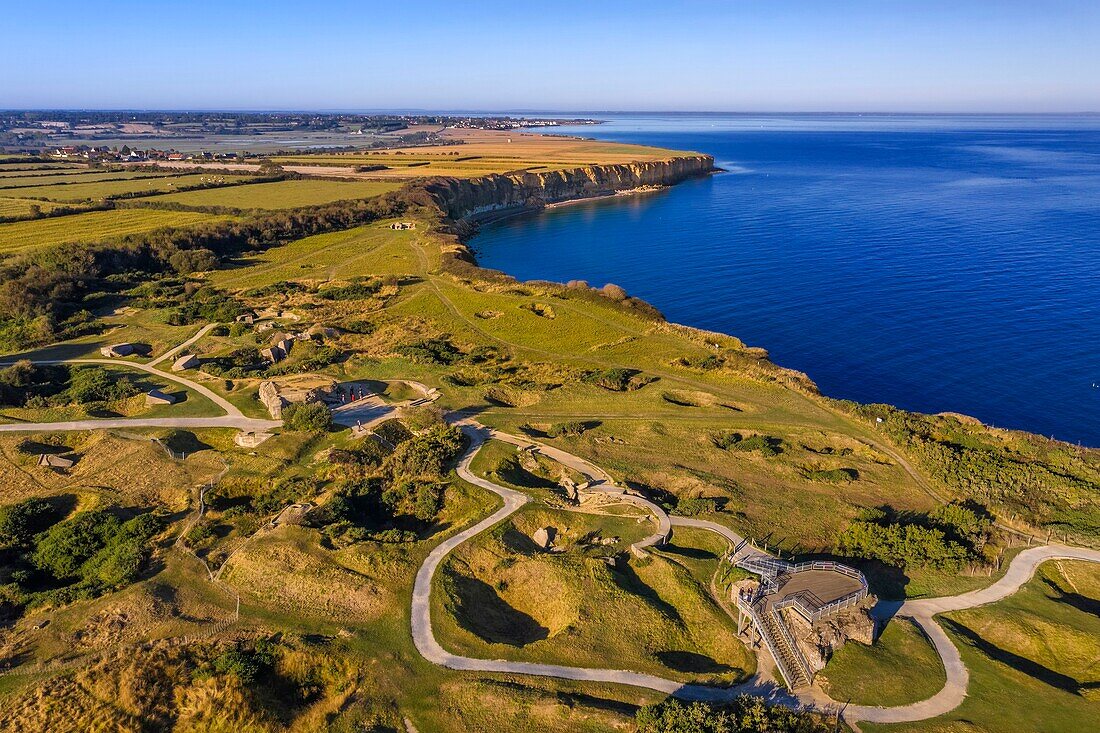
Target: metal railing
812,609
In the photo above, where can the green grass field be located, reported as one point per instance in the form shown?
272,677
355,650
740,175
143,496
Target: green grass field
901,667
499,597
44,169
109,189
280,194
368,250
22,207
1032,658
92,227
72,178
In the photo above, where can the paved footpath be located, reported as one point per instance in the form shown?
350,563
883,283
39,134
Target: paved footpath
952,694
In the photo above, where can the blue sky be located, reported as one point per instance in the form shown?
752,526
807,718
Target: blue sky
736,55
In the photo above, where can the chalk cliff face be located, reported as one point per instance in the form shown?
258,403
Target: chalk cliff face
463,198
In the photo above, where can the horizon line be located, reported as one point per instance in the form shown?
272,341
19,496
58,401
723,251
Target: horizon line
535,111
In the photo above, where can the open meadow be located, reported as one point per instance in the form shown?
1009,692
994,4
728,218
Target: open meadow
80,191
71,178
94,226
278,195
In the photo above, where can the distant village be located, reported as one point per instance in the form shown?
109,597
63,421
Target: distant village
126,154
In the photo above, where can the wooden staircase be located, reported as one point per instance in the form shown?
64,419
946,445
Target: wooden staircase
787,656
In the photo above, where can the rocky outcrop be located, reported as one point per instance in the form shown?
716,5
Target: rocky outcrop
819,640
471,198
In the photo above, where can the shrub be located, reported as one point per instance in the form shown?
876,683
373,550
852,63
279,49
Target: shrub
360,290
743,715
763,444
572,428
617,379
431,351
94,384
20,522
307,418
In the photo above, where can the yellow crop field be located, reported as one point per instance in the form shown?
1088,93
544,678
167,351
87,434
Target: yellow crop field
480,152
82,191
280,194
94,226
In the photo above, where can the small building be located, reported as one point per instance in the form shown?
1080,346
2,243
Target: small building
248,318
155,397
52,460
116,351
187,361
403,225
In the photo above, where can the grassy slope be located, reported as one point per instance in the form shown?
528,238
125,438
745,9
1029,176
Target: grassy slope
1032,658
498,597
901,667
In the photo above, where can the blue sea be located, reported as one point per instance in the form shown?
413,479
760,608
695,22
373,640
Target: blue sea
938,263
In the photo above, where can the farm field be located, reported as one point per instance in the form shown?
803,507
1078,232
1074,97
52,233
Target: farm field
93,226
22,207
41,169
30,178
10,164
484,151
110,189
279,194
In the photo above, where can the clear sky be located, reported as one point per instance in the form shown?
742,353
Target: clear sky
595,55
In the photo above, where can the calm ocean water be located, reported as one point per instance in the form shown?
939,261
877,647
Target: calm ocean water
932,262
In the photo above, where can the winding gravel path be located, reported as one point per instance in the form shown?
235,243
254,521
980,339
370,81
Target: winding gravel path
953,693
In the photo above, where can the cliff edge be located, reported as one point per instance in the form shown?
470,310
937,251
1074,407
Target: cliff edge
471,198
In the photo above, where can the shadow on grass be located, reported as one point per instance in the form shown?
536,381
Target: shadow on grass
692,663
481,611
1075,600
628,580
1026,666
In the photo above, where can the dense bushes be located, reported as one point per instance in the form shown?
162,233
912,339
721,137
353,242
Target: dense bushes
310,417
765,445
389,497
743,715
83,556
42,385
945,539
1043,482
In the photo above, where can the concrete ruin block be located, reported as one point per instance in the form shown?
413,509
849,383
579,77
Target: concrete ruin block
250,439
116,351
52,460
187,361
272,400
155,397
544,537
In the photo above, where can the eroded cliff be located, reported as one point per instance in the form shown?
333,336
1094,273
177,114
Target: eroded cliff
466,198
